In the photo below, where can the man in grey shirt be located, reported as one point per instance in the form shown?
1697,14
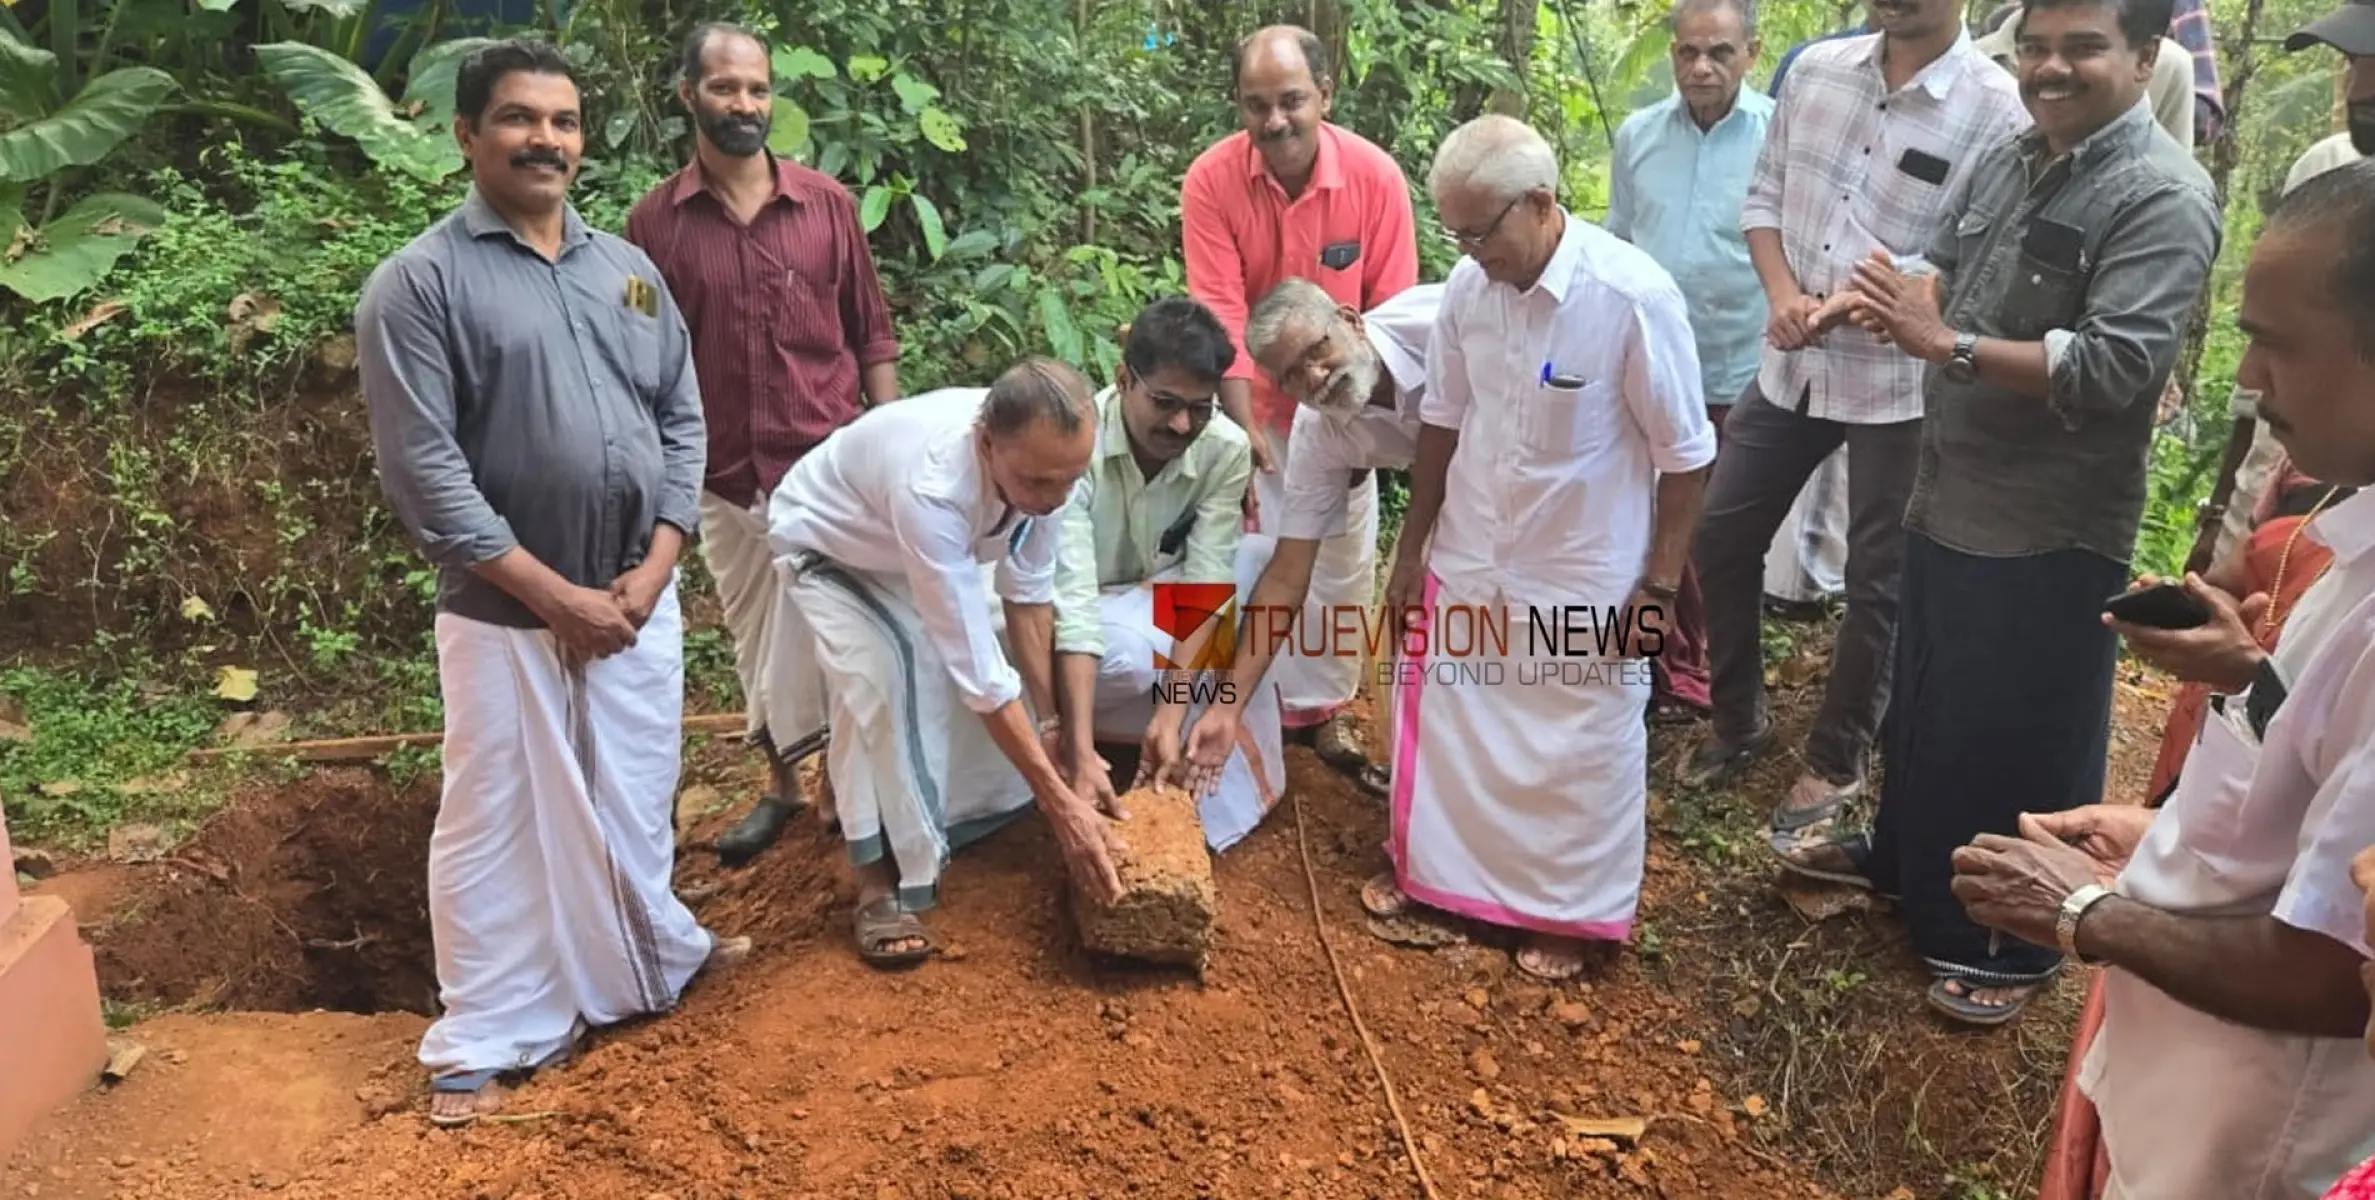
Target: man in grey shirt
2072,256
539,432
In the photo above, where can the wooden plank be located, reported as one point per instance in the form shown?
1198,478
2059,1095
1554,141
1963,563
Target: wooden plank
364,749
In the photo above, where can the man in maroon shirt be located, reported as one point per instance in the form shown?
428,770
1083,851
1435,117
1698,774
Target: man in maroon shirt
791,340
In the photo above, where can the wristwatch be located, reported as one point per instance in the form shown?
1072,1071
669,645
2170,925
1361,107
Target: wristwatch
2065,926
1663,591
1963,365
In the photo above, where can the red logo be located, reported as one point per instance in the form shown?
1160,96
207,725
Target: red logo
1181,609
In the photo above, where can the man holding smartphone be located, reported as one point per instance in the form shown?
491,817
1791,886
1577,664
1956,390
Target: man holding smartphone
2068,262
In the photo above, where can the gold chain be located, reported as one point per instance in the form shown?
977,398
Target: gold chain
2284,559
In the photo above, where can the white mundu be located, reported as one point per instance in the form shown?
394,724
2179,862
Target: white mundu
1520,782
891,536
550,867
1343,578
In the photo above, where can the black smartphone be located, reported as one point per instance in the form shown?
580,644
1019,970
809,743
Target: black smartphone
2161,606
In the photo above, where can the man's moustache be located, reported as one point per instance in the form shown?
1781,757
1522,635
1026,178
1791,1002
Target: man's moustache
536,158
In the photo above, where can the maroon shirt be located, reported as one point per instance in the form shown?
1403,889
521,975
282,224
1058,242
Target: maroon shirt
784,312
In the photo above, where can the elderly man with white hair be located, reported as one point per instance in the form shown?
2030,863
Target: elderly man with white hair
1357,379
1563,452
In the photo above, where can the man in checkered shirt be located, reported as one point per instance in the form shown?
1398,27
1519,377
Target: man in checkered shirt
1862,152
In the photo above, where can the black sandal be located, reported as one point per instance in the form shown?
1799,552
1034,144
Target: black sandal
880,922
1814,859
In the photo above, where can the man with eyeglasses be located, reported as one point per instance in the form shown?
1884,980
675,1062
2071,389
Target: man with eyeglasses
1162,503
1562,449
1293,196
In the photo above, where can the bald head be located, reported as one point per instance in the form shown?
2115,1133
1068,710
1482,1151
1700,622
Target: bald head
1280,47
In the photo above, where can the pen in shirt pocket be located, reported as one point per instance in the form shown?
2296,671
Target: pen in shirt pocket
1558,379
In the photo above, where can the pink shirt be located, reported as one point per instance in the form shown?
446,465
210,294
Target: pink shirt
1351,232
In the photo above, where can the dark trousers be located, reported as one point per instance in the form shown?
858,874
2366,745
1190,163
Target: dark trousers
2004,674
1768,455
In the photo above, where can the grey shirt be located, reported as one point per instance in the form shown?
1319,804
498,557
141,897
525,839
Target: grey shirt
516,401
2101,258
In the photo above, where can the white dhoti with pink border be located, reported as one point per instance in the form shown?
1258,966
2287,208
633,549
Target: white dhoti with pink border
1520,779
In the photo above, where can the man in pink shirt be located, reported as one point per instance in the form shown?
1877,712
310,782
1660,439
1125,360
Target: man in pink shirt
1293,195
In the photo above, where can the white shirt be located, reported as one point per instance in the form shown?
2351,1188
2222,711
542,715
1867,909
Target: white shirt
2196,1106
2333,152
1842,173
902,491
1328,447
1550,496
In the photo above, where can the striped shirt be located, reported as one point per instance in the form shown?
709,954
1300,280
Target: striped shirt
1849,167
785,312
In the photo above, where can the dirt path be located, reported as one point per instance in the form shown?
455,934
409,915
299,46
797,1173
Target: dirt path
1017,1068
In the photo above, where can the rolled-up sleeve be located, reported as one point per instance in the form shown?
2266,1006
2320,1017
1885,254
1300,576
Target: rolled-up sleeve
2153,266
1080,624
684,434
1448,394
2335,755
408,386
865,314
946,582
1762,208
1661,384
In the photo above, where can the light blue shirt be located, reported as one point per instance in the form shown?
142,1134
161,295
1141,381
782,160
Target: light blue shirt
1676,192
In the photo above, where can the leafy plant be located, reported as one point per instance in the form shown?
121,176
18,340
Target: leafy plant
346,100
43,135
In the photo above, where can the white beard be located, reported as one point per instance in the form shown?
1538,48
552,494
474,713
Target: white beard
1349,389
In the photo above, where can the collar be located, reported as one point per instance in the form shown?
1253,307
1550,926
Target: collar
1113,437
1938,78
480,220
1558,275
692,180
1747,101
2348,527
2120,133
1327,173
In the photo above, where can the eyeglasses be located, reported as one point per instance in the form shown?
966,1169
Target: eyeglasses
1198,411
1471,241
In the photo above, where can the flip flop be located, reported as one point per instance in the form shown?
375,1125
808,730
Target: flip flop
1561,975
474,1082
881,922
1799,857
1396,918
1335,744
1969,1011
1374,781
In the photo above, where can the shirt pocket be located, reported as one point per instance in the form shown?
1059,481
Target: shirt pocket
807,312
1561,425
2040,296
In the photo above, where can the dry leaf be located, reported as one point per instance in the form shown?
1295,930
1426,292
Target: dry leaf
13,726
195,608
93,319
20,245
254,729
1623,1130
1754,1106
135,843
146,785
60,787
236,684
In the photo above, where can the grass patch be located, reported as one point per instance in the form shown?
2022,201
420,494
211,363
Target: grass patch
95,753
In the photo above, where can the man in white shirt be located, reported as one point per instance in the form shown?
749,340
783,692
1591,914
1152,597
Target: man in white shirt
1563,449
1162,507
886,532
1358,379
1871,137
2229,1063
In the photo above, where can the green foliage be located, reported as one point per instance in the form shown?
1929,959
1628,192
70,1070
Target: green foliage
44,132
347,101
88,742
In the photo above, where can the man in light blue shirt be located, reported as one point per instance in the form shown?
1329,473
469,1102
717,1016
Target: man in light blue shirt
1680,177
